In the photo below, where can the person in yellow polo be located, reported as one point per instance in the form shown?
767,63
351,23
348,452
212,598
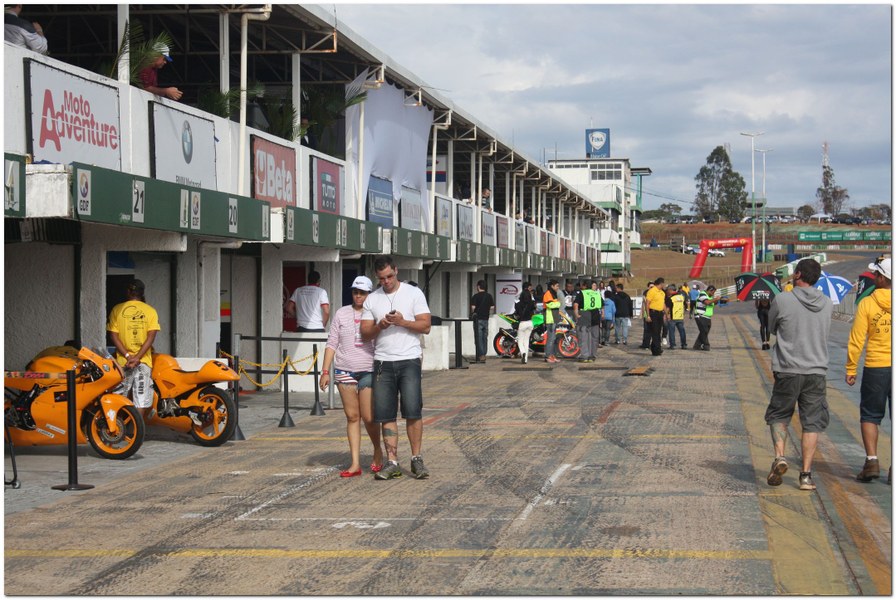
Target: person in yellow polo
133,326
656,314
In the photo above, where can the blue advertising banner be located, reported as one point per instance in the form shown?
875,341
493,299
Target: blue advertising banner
597,143
379,202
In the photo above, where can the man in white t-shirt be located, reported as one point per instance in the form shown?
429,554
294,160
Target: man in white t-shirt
396,315
310,305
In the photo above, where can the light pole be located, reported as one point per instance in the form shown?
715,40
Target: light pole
764,199
753,137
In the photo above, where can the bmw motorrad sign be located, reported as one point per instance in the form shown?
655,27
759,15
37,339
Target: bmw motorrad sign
597,143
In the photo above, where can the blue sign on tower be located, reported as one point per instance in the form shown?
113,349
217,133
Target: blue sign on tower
597,143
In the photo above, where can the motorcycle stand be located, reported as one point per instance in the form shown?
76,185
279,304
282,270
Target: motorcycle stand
14,482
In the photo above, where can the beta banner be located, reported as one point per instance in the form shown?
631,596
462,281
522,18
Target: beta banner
274,176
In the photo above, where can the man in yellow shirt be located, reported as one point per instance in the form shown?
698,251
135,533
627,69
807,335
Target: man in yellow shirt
132,326
656,314
873,324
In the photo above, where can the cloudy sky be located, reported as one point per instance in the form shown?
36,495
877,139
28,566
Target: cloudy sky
670,81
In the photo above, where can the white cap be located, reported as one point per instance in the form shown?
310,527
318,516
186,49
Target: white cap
362,283
165,51
883,267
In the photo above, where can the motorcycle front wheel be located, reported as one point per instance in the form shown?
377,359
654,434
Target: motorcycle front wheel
218,417
505,345
568,345
126,442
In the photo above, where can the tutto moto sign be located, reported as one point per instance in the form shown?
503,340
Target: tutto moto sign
274,173
70,117
328,186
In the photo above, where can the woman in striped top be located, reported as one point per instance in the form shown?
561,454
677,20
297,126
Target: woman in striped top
353,374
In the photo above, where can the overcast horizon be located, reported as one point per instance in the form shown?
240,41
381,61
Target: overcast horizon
671,82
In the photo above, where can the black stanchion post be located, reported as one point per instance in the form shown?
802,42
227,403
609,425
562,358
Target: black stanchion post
458,356
72,439
237,435
286,420
317,410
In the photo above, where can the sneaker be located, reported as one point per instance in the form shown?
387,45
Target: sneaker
390,470
870,471
418,468
779,467
806,482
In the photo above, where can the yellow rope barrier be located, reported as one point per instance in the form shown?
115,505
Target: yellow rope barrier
241,369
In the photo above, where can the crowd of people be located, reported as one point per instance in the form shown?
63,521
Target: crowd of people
374,351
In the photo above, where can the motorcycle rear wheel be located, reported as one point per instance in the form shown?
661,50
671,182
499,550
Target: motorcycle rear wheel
131,430
505,345
218,417
568,345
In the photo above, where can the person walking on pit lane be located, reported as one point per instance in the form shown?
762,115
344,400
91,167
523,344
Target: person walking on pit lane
676,307
396,315
871,330
586,308
525,308
645,335
551,318
481,306
801,322
608,317
624,313
703,316
656,314
352,357
762,307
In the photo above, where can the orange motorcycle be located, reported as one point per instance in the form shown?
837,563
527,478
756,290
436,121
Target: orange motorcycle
189,402
36,403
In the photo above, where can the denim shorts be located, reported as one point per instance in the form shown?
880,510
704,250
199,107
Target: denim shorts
807,391
392,379
877,389
363,379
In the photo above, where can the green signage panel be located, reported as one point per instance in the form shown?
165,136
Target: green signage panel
832,236
512,258
479,254
105,196
878,235
14,185
809,236
418,244
312,228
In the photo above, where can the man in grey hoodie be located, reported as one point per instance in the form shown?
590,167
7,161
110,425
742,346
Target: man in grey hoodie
801,322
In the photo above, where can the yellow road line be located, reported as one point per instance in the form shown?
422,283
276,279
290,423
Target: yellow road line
545,553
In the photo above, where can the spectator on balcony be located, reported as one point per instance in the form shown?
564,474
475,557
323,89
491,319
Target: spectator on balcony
487,199
22,32
149,76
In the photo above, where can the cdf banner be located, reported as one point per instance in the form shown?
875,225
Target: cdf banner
597,143
71,118
273,172
327,190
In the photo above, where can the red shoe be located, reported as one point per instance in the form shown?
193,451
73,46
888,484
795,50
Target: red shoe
374,468
350,473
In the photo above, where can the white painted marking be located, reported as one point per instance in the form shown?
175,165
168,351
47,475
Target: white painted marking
361,525
323,475
239,472
541,494
286,474
295,519
196,515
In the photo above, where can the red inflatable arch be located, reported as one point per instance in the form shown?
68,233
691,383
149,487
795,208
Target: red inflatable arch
705,245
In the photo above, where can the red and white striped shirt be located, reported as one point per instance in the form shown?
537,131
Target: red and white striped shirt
352,353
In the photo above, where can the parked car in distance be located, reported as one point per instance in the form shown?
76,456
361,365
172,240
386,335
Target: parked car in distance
691,250
716,252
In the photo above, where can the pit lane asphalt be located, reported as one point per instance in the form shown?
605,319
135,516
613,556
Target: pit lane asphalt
572,479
